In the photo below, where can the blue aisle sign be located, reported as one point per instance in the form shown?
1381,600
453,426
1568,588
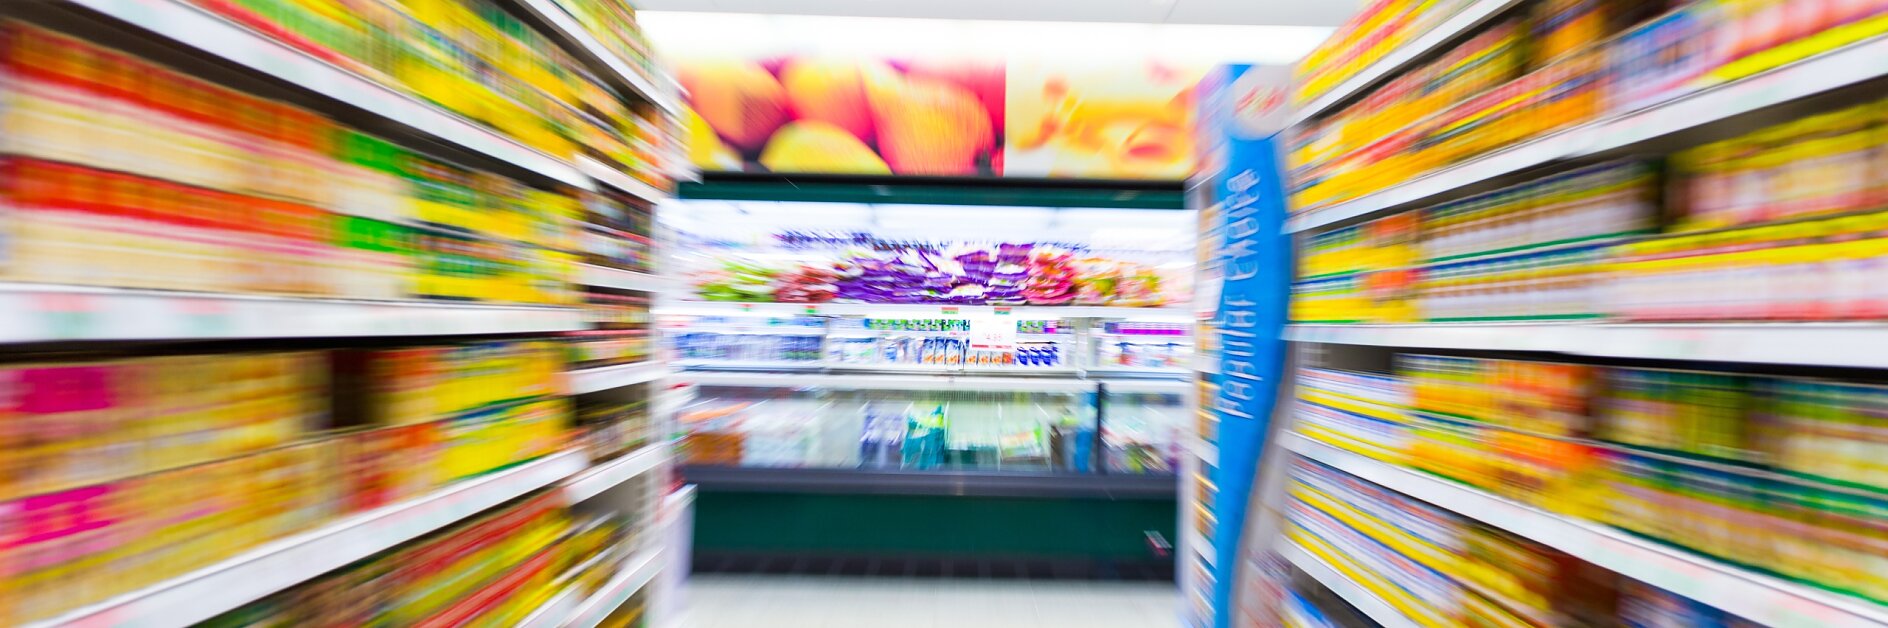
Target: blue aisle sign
1243,110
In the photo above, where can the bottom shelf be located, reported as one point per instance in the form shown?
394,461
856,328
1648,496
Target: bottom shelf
1749,594
939,482
1359,597
571,608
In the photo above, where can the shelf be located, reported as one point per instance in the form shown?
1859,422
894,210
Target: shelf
610,377
638,571
612,177
671,401
887,382
1825,72
51,312
1765,599
601,277
205,593
608,475
212,35
1205,451
578,39
1156,386
1852,345
936,482
1366,602
1403,57
905,310
749,365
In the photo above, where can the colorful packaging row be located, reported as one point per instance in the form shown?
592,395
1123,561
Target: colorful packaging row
589,349
1700,43
425,384
1007,274
748,347
1375,30
493,570
470,56
79,546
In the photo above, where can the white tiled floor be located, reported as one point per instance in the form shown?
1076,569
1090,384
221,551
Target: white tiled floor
723,601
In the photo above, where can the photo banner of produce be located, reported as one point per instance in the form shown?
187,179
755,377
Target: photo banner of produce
940,116
958,274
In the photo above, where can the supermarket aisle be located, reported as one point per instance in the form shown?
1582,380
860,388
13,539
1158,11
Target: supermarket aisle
744,601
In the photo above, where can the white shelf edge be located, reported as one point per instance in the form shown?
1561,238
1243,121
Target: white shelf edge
608,377
602,277
231,42
1853,345
603,173
553,612
638,571
724,308
1464,20
277,565
608,475
1205,451
1366,602
1765,599
566,25
58,312
1831,70
857,381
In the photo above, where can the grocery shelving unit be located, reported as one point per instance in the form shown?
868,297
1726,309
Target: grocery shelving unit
41,314
1692,117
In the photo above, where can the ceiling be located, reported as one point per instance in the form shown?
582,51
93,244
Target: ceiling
1241,12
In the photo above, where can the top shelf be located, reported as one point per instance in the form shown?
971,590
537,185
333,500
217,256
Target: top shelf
577,39
1829,71
725,308
233,43
1400,59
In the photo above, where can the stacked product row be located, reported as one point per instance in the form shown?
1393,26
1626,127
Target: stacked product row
476,59
1777,224
127,173
129,471
1560,64
915,430
943,343
1774,473
1437,568
492,570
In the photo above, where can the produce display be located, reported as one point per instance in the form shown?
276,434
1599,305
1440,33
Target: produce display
478,60
958,274
169,181
1775,473
492,570
1565,64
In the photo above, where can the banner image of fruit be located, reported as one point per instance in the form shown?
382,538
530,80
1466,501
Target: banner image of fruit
953,117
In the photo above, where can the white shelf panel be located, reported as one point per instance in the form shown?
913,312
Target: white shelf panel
565,26
608,475
231,42
1205,451
1366,602
1400,59
607,377
601,277
857,381
617,179
1162,386
1765,599
280,564
901,310
1832,70
50,312
1855,345
638,571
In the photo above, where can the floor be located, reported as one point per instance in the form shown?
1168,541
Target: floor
758,601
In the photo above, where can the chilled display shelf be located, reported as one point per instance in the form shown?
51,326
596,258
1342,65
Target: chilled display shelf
1856,345
860,381
887,310
1164,386
1829,71
233,43
600,277
607,377
760,365
1765,599
1366,602
931,482
640,569
576,38
48,312
617,179
278,565
609,474
1396,61
1139,371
